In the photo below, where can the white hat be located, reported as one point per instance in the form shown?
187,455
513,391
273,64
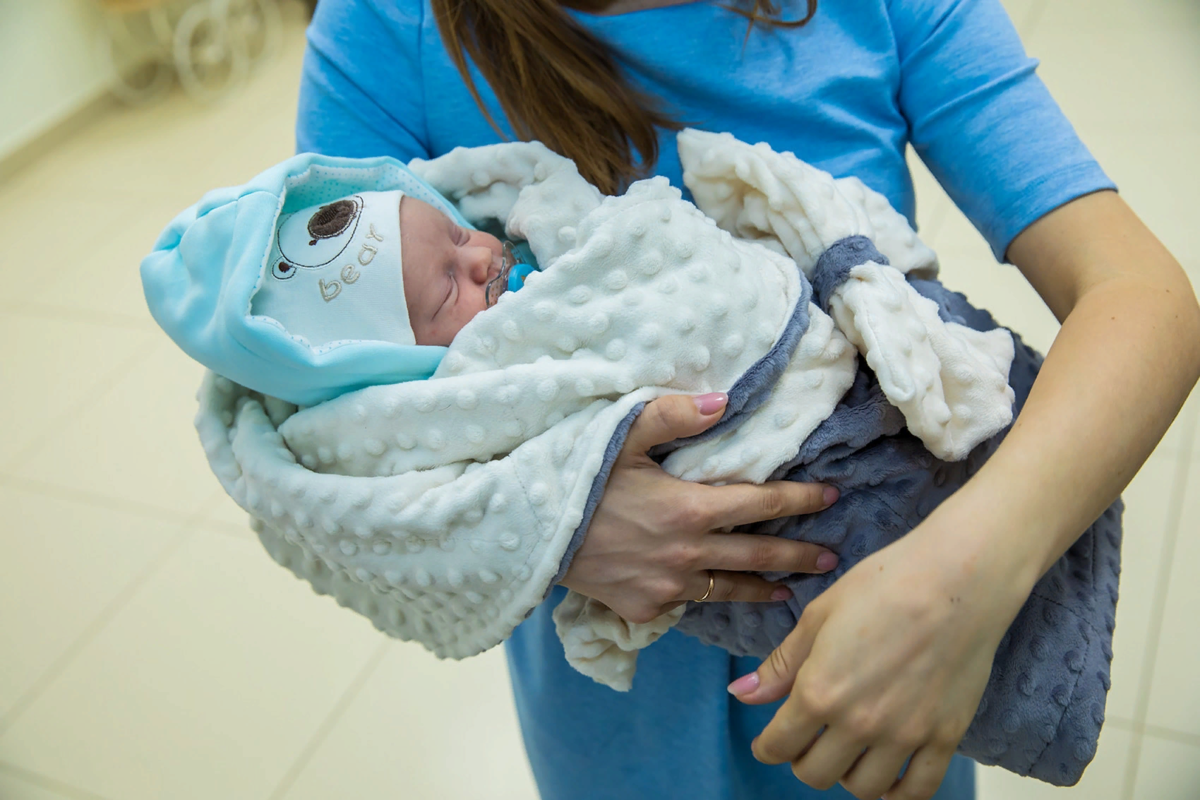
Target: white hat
335,274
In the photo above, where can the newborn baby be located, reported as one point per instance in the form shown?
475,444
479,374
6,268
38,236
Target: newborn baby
301,286
445,509
429,275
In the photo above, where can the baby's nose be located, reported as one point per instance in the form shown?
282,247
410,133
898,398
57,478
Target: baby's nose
479,264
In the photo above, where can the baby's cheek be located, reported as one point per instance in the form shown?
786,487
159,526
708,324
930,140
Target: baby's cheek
469,313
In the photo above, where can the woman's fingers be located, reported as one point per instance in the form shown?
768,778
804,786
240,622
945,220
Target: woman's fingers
788,737
776,677
885,667
651,542
876,771
739,587
672,417
924,775
743,503
830,757
748,552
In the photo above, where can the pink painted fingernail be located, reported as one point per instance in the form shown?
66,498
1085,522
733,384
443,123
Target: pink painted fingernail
744,685
710,403
829,495
781,593
826,561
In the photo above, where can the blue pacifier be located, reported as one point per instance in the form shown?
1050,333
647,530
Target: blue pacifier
518,265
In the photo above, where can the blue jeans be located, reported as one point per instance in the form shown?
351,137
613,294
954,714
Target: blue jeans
677,734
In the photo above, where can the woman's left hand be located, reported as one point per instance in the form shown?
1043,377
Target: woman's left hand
889,663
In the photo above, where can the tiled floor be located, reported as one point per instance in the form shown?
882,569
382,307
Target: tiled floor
150,650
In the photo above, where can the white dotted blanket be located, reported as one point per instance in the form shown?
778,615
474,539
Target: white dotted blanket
442,509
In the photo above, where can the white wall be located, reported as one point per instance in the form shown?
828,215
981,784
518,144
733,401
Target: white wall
48,66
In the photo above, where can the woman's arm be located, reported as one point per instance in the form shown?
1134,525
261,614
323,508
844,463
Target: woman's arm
894,658
1120,369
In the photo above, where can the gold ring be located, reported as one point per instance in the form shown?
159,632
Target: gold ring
712,580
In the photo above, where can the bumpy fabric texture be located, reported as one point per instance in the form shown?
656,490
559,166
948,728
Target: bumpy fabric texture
1043,707
443,510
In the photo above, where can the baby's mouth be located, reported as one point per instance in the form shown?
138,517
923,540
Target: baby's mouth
499,284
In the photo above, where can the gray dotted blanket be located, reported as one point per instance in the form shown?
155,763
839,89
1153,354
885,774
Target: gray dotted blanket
1044,704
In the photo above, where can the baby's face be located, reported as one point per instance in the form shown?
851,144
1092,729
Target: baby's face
446,271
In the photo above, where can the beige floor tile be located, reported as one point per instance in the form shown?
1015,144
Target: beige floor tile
1167,770
1192,267
105,279
957,238
932,201
1184,428
172,163
49,229
1157,173
207,685
1020,11
1148,502
13,787
228,516
1058,16
135,443
1175,692
52,366
409,731
1192,408
63,564
171,152
1102,780
1088,59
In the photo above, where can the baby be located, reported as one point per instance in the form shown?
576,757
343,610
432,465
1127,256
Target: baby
430,275
310,297
445,509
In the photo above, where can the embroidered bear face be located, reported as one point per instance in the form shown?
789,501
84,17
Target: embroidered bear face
312,241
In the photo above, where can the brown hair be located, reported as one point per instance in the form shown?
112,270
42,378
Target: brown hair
562,86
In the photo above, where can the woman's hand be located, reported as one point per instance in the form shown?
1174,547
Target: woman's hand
889,663
654,537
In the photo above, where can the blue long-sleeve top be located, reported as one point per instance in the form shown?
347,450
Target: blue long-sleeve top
847,92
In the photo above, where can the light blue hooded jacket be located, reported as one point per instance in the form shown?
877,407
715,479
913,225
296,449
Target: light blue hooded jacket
207,265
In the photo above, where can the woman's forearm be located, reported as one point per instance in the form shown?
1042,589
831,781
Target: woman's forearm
1120,369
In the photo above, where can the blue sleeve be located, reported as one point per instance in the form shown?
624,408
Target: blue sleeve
361,91
982,120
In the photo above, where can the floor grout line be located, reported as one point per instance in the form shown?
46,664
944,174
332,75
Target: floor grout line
190,525
1172,735
339,709
198,518
103,501
37,779
93,629
107,383
219,528
54,312
1158,607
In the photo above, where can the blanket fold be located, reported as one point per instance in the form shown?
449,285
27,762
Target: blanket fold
950,382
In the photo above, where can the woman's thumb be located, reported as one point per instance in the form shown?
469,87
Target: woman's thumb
776,676
674,417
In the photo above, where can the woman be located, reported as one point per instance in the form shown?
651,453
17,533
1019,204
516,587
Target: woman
889,664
